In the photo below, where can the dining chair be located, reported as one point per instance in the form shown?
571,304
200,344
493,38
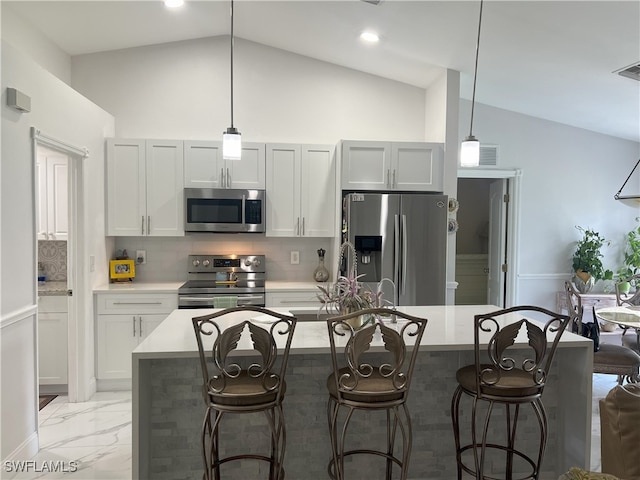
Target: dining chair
370,379
512,375
631,299
253,382
609,359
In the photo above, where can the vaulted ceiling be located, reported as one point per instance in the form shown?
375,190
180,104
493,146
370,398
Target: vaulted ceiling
549,59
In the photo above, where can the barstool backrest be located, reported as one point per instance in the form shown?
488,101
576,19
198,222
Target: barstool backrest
531,360
265,346
357,363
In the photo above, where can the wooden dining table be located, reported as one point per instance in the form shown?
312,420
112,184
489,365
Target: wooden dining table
627,316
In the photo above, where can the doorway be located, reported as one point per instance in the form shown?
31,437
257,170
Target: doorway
64,209
486,241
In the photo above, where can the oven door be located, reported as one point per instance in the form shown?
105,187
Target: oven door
224,210
206,300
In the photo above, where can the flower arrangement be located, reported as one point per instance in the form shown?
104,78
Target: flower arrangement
347,295
586,260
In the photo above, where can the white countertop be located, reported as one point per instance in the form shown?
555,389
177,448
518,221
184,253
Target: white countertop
133,287
449,328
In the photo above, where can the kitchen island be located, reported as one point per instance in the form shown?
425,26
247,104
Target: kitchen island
168,407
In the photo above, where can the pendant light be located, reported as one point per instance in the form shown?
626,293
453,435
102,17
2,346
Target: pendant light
231,139
629,200
470,148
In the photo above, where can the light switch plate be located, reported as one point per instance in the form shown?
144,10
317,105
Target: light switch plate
295,257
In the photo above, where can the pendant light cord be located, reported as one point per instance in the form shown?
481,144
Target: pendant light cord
231,44
475,71
625,182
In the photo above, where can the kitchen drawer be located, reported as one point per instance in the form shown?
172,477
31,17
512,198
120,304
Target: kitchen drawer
53,304
137,303
303,298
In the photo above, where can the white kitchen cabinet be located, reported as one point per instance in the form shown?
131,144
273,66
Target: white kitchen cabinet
52,340
301,192
145,188
52,211
123,322
293,298
204,166
402,166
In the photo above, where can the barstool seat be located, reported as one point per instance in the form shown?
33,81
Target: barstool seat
243,384
366,381
512,375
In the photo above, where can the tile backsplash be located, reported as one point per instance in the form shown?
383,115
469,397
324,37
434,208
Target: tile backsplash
52,254
167,256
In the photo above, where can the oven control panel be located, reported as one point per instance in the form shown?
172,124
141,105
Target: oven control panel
226,263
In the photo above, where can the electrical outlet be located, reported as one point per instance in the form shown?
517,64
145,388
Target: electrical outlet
295,257
141,257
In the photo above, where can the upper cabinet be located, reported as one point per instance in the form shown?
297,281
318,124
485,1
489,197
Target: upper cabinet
402,166
301,190
52,211
145,188
204,166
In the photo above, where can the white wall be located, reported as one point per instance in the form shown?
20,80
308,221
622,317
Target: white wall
181,90
569,177
32,43
59,112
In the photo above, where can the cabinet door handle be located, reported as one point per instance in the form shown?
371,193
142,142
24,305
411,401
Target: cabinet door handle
298,226
140,324
302,226
393,182
142,224
388,177
134,325
228,179
222,182
149,225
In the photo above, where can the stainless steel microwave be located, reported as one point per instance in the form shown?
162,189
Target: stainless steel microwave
224,210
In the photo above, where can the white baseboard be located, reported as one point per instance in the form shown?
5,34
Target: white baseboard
26,450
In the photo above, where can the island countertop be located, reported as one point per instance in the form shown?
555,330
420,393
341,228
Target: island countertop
449,328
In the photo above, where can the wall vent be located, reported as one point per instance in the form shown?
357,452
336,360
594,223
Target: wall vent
488,155
632,71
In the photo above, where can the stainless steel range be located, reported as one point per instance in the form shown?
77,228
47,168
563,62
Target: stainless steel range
211,276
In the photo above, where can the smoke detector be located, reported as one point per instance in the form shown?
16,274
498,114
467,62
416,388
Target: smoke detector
631,71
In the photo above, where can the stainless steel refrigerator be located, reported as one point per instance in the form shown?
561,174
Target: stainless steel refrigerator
401,237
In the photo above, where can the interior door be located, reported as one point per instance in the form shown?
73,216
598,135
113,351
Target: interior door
497,242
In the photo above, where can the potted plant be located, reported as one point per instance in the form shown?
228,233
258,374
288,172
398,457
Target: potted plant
348,295
631,264
587,262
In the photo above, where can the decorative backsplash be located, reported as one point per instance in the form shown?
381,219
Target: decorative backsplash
52,254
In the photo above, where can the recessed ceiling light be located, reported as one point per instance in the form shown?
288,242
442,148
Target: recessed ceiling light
369,37
173,3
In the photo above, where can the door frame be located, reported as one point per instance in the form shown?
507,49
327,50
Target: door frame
76,330
513,221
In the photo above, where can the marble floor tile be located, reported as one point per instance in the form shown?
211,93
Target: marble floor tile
93,438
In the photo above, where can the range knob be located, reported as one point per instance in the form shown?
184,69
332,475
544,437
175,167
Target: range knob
195,262
247,263
256,262
206,263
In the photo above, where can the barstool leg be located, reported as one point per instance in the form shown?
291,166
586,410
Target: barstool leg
343,434
455,409
538,407
407,440
214,453
391,436
485,431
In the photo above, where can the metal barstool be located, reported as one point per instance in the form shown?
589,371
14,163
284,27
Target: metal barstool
362,380
256,386
512,377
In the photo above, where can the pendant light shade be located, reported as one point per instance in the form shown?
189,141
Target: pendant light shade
629,200
231,139
470,148
470,152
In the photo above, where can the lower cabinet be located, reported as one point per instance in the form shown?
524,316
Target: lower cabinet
52,340
293,298
123,322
